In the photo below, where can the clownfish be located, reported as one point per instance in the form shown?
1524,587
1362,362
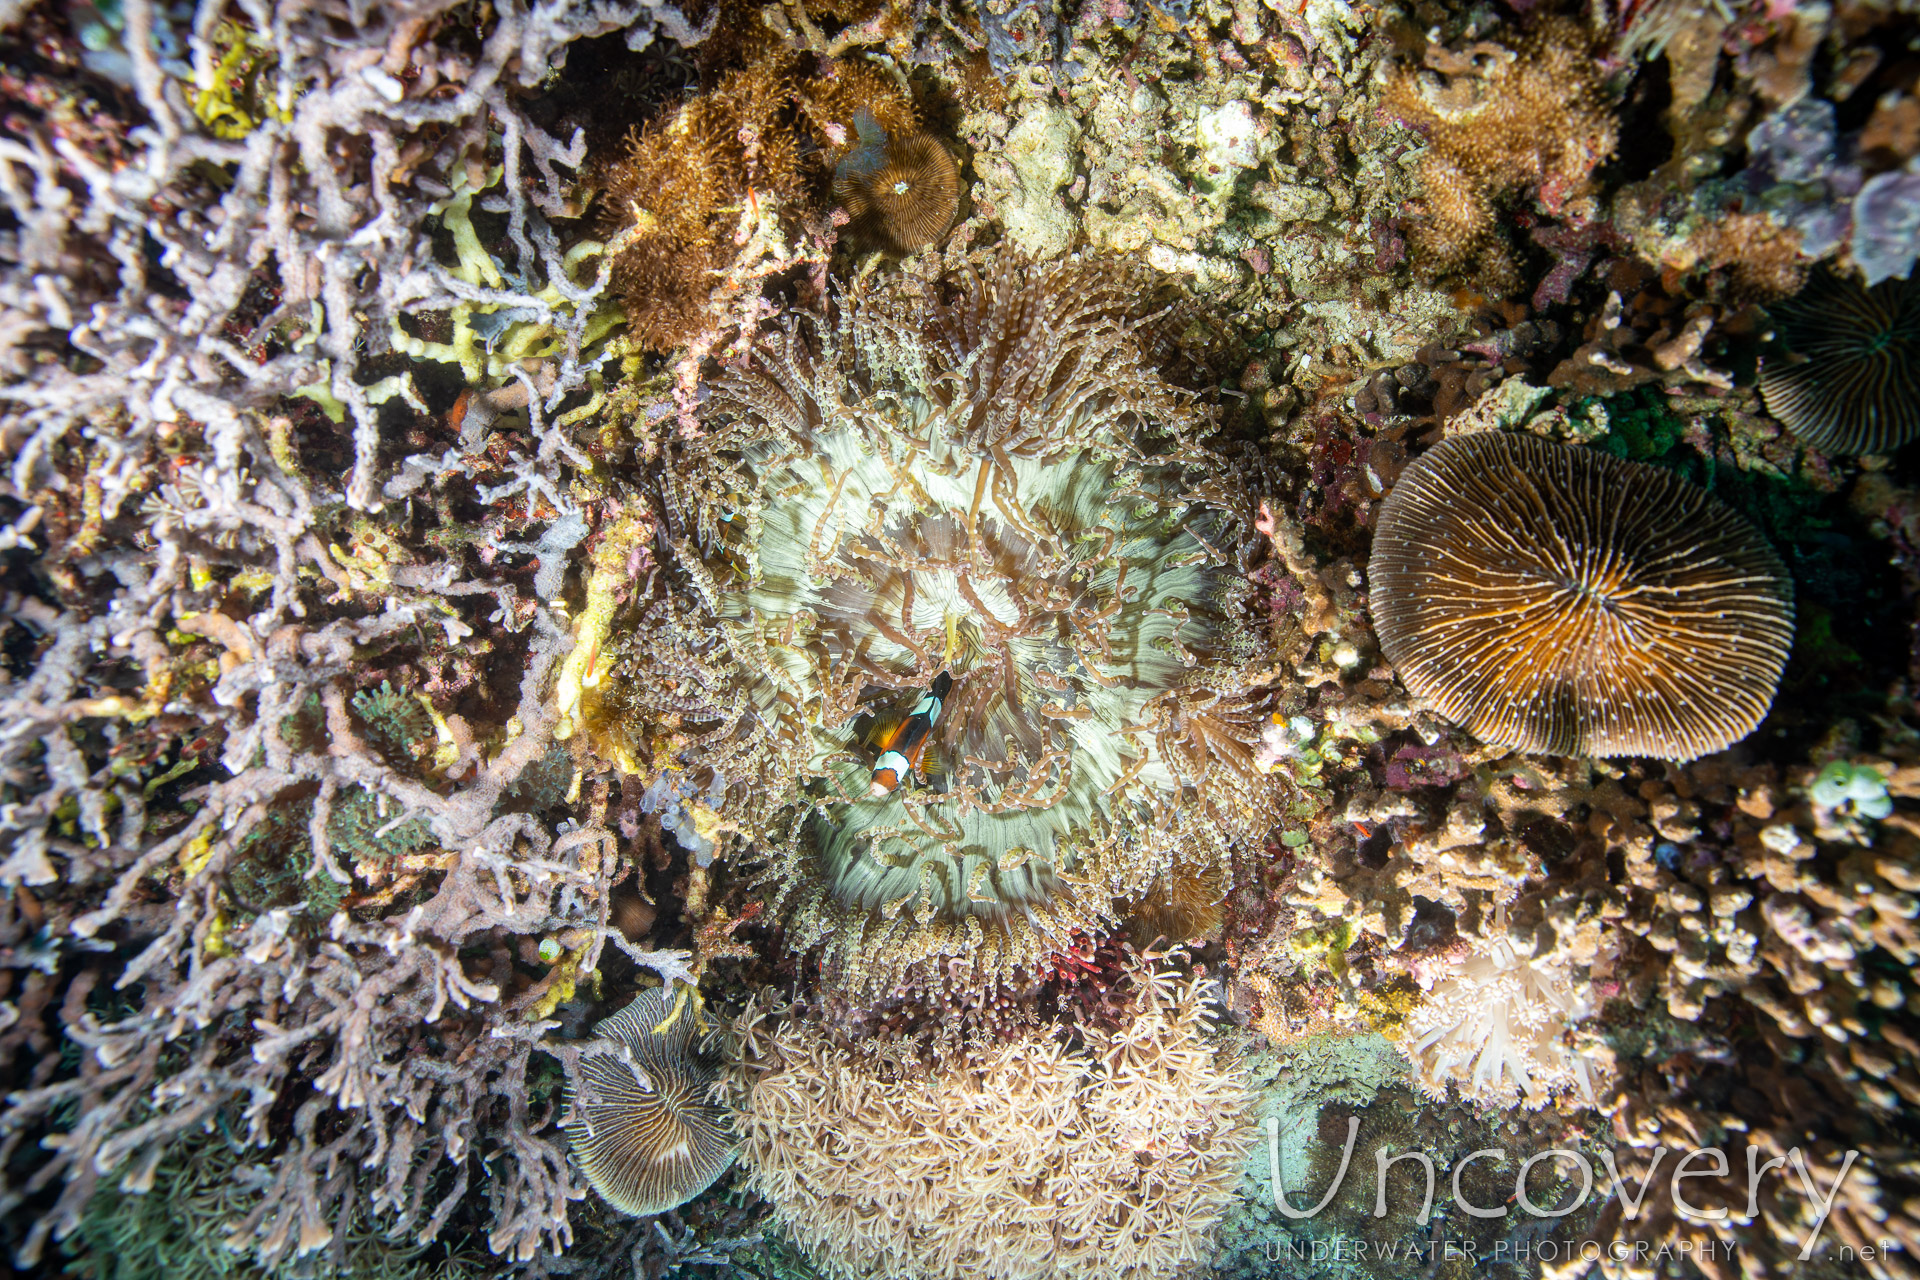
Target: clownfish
902,744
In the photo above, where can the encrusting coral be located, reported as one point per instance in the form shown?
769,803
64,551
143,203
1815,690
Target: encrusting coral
980,477
1112,1158
1555,599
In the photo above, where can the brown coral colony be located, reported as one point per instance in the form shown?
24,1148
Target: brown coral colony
1557,600
901,191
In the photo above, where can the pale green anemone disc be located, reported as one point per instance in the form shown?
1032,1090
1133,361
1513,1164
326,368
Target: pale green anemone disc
995,486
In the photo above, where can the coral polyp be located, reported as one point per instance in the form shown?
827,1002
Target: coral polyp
990,484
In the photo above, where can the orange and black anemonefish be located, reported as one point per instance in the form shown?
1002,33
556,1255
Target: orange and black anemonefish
902,743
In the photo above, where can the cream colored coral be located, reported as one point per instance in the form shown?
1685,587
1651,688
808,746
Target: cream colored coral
1034,1159
1497,1028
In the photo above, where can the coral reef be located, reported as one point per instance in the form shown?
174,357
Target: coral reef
1112,1157
485,487
710,199
1497,1027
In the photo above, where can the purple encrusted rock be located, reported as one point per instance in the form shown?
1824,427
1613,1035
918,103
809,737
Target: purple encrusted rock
1886,226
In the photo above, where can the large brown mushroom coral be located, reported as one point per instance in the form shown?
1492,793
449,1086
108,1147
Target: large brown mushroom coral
643,1128
1558,600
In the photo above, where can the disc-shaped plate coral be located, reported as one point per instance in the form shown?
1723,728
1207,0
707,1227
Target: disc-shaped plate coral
644,1131
981,479
1848,380
903,191
1558,600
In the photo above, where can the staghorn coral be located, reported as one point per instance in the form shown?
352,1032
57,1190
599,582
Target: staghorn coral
642,1127
1501,123
986,480
1558,600
179,1222
1111,1158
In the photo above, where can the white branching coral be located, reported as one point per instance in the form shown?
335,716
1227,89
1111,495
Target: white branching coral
1033,1160
1498,1028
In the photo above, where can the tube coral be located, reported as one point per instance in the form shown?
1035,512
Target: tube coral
994,485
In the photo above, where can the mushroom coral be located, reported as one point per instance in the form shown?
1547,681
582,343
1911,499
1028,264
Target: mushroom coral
980,477
1848,380
1554,599
642,1128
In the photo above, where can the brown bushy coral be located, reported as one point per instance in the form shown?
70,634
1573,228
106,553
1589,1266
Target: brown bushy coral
1034,1161
1501,123
731,165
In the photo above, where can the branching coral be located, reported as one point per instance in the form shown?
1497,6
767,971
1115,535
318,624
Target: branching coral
179,705
1034,1160
988,481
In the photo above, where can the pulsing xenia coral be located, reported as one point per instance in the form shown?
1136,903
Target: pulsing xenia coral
1109,1159
988,483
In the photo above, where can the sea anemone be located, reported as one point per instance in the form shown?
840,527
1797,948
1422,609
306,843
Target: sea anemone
642,1127
901,191
1560,600
1035,1160
1497,1028
1848,380
986,482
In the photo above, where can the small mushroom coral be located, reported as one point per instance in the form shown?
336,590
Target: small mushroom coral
643,1128
902,191
1848,380
1559,600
